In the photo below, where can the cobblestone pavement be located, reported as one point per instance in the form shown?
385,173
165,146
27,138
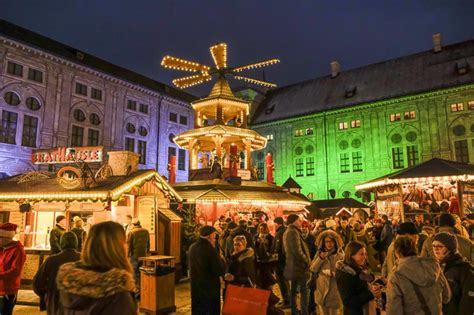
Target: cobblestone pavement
183,301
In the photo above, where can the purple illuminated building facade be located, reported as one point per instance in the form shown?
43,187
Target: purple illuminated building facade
53,95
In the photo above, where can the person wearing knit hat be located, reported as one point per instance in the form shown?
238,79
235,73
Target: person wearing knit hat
457,271
44,282
297,260
447,225
56,233
12,260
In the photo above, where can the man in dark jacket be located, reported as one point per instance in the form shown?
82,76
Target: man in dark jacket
345,231
56,233
206,268
138,246
386,238
296,264
44,282
79,231
277,248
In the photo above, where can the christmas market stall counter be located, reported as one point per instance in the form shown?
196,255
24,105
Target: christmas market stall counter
430,187
33,201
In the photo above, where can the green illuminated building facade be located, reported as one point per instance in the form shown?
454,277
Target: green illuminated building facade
348,127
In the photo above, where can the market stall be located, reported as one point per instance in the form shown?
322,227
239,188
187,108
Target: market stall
320,209
436,185
115,190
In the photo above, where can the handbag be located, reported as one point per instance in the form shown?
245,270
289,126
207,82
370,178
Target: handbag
244,300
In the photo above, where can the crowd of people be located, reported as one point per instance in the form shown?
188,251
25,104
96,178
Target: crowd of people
339,265
93,273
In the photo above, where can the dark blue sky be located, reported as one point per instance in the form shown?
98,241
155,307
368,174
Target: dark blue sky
305,35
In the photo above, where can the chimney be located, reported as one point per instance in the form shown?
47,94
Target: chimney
123,163
437,42
335,69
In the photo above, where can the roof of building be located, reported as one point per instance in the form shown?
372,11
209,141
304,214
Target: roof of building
338,203
217,190
54,47
413,74
44,186
291,183
434,168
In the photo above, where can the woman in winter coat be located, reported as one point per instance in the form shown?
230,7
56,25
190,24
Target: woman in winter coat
417,286
323,268
353,281
241,268
102,281
459,273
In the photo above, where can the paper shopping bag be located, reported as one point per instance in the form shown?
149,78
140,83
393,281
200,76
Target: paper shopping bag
240,300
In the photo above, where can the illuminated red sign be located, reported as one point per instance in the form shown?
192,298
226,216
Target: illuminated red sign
67,155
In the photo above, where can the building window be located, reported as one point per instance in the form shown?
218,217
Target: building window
142,131
131,105
395,117
130,144
470,104
35,75
345,163
8,127
355,123
183,120
79,115
30,126
457,107
356,161
299,167
92,137
397,158
412,155
96,94
144,108
171,152
173,117
298,132
461,151
32,103
77,136
182,160
270,137
81,89
343,125
11,98
15,69
309,131
310,166
261,170
94,119
130,128
142,151
410,115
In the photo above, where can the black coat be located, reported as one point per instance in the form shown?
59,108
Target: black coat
277,247
242,267
353,289
460,275
265,261
55,238
44,282
205,268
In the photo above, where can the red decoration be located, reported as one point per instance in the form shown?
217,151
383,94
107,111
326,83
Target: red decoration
270,168
172,169
233,160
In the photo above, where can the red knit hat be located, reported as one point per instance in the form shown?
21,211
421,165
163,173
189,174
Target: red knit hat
8,229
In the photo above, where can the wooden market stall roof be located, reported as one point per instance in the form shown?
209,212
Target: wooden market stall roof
330,207
44,186
434,169
217,190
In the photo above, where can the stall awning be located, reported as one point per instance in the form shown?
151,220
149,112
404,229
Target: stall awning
43,186
432,170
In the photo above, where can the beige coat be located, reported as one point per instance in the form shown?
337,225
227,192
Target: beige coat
427,275
326,293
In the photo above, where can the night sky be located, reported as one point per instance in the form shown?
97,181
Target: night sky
305,35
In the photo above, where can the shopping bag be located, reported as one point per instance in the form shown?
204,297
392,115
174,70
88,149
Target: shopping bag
241,300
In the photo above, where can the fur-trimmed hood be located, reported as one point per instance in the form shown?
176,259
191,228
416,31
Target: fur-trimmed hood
334,236
342,266
78,280
246,253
